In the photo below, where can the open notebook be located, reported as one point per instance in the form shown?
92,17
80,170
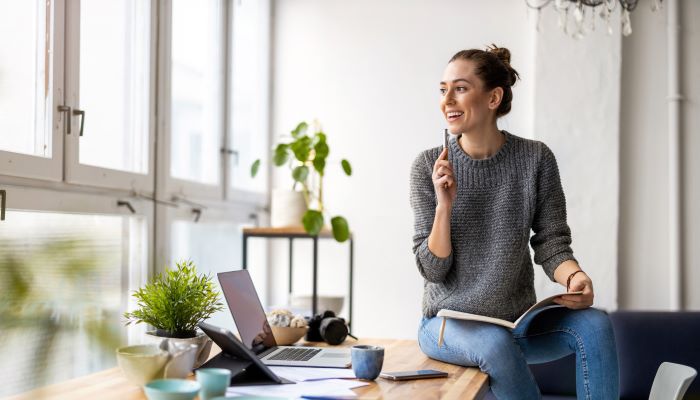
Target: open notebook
445,313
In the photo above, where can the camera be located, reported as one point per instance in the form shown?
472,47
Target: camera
328,328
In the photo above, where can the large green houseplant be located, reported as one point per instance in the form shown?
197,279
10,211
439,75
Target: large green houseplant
305,155
175,302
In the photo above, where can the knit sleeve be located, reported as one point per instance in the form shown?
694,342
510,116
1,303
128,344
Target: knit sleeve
552,239
431,267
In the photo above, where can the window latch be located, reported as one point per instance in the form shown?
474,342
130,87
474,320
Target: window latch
69,114
3,194
231,152
124,203
82,119
197,214
66,109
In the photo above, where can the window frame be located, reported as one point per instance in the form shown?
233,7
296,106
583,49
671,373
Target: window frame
62,185
212,211
175,188
215,211
66,201
82,174
231,192
37,167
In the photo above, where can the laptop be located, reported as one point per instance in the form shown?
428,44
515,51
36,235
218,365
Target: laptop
255,332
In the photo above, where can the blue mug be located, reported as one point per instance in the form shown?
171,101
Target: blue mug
367,361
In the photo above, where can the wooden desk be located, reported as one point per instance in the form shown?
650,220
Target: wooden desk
463,383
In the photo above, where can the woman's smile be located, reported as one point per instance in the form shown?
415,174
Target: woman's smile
454,115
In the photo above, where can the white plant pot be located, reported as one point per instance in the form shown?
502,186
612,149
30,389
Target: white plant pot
201,340
288,208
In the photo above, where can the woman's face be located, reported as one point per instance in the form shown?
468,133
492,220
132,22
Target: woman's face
464,102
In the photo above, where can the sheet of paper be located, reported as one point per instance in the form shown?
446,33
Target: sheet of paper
323,388
300,374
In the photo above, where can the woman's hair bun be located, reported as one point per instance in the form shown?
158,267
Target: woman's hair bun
503,54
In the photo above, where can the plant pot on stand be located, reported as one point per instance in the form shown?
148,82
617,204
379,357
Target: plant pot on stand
287,208
305,154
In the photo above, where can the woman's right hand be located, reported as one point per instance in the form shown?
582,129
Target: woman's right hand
444,181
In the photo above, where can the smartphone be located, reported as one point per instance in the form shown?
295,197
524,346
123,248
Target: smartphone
420,374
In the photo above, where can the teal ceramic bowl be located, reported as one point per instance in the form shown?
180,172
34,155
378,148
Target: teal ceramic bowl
171,389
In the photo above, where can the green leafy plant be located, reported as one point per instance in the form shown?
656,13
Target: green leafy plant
306,155
175,302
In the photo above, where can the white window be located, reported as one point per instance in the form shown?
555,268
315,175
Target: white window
31,84
197,87
124,73
114,83
248,110
109,88
214,242
104,50
65,279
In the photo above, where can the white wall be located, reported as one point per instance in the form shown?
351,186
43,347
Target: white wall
369,71
577,103
644,248
690,123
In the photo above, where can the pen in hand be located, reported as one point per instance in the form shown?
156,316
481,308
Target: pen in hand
444,146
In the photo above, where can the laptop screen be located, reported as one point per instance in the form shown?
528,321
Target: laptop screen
246,310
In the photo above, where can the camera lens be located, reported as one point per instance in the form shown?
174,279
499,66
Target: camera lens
333,330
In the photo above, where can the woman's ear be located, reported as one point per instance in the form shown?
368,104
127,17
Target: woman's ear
495,98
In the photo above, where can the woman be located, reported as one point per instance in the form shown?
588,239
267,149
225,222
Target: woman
475,203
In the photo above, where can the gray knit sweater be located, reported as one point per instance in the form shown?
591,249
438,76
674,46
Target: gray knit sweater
499,201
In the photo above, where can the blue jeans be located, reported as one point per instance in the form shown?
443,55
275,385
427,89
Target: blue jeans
545,336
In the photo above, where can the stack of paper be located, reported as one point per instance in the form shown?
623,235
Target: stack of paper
329,388
299,374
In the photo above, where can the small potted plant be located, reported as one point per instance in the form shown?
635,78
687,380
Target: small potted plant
174,303
305,155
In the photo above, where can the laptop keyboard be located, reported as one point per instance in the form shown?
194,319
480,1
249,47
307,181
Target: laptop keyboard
291,354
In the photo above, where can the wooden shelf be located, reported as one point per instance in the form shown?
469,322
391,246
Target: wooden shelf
286,231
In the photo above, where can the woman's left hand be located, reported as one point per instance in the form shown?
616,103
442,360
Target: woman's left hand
579,283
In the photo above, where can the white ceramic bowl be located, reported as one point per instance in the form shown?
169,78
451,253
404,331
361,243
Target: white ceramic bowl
142,363
285,336
333,303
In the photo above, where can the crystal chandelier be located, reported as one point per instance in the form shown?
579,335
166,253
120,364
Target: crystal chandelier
582,10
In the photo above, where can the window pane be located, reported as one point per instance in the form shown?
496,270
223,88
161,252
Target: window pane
217,247
114,83
64,282
197,84
249,97
26,84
